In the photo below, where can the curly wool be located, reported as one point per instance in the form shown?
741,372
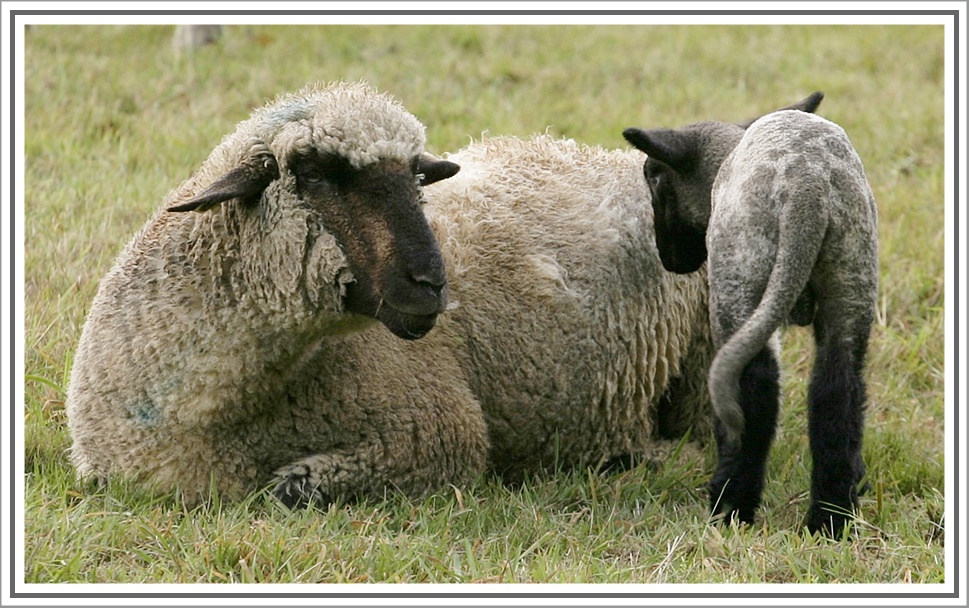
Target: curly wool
572,330
217,356
332,118
204,316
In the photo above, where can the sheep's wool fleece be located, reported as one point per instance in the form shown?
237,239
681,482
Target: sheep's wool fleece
334,118
207,319
791,206
217,355
571,330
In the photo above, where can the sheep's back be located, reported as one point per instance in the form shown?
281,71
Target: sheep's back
798,168
571,329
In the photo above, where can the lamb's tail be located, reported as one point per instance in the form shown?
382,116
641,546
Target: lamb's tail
799,243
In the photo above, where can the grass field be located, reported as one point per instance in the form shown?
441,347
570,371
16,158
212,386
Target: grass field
114,120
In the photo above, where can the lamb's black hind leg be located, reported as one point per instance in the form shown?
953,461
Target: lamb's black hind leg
736,488
836,401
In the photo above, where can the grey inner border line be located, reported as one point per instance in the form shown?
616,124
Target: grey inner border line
14,148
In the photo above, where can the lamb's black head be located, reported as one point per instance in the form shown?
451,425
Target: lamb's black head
680,169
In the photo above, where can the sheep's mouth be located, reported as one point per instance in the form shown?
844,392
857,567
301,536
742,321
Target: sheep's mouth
408,314
408,327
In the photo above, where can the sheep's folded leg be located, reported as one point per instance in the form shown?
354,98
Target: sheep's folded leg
318,479
299,485
372,468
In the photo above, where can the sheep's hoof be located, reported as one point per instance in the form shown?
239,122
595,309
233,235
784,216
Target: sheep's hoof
731,500
829,521
297,488
725,514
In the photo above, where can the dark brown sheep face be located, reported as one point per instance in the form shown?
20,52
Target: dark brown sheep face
375,214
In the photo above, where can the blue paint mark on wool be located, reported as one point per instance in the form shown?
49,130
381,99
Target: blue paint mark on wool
145,412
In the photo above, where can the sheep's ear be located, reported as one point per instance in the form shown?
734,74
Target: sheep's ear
808,104
246,183
432,169
670,147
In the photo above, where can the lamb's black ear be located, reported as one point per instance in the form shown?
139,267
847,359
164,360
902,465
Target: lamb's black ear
246,182
673,148
808,104
432,169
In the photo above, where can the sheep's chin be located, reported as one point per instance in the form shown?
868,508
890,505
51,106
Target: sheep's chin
401,321
408,327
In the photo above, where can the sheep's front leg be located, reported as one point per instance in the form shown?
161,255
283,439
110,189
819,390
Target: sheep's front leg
318,479
736,487
414,460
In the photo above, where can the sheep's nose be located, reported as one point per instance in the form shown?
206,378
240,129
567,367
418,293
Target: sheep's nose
436,280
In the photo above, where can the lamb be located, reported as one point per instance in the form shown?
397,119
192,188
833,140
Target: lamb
782,207
235,344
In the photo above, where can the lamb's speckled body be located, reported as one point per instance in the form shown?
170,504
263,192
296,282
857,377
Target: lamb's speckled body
783,210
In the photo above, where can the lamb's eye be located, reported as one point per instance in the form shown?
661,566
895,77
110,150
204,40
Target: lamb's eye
312,177
653,181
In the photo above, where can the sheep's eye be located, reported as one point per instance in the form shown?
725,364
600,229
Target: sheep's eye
313,171
654,173
336,169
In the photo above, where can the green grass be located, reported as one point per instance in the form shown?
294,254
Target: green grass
114,120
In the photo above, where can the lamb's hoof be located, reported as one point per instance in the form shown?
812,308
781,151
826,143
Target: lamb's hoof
725,514
729,504
829,521
296,488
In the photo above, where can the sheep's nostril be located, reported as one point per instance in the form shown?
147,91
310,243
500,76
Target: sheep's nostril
433,280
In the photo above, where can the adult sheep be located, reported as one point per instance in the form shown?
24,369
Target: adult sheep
233,344
784,210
